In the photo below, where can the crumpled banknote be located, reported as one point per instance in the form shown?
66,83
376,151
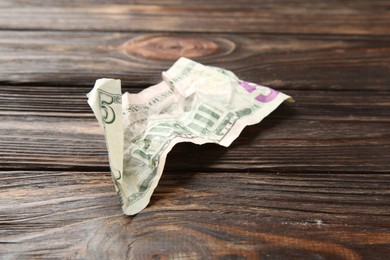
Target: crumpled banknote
193,103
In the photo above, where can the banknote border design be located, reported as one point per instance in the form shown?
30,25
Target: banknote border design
156,159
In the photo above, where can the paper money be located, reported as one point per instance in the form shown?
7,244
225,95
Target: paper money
194,103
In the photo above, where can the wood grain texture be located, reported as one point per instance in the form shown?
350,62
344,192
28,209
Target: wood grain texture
307,17
197,215
311,181
284,62
337,130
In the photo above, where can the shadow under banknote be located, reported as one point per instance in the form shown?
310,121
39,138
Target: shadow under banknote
187,161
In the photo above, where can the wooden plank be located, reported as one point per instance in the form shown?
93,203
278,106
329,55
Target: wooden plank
198,215
239,3
284,62
322,131
308,17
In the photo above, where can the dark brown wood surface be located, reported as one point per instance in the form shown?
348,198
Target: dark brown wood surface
312,181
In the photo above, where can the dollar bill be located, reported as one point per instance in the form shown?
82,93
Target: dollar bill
193,103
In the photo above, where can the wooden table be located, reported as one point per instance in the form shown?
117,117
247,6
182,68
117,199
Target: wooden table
311,181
